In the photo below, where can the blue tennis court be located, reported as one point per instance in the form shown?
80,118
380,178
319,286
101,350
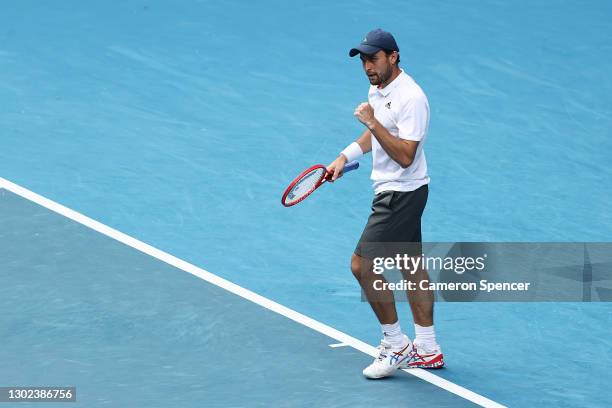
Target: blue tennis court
176,127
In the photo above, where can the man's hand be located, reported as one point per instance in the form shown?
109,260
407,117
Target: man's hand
335,168
365,113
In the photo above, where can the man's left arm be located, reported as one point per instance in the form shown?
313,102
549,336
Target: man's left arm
412,125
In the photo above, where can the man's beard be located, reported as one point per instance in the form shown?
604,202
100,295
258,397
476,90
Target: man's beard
381,78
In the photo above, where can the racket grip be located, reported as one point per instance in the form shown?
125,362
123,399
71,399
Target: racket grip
354,165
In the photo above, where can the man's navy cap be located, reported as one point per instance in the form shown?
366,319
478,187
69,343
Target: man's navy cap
375,41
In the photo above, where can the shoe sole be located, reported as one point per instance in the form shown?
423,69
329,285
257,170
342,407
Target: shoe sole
436,363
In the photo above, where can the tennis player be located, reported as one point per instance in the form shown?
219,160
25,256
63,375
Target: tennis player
396,118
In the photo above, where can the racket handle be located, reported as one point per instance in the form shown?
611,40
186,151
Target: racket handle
354,165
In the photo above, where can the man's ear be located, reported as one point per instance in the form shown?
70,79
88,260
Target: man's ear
394,57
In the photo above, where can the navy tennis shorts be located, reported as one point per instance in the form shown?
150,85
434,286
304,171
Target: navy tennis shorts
395,220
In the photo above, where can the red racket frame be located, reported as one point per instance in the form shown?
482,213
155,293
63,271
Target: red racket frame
302,174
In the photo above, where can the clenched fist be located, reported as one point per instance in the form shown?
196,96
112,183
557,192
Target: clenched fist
365,113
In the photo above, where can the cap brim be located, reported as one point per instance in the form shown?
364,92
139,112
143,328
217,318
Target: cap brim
364,49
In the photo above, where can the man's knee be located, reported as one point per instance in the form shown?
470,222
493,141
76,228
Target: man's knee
361,267
356,266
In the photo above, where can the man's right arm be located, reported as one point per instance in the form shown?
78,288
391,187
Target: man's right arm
365,143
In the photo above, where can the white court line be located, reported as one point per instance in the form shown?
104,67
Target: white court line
238,290
336,345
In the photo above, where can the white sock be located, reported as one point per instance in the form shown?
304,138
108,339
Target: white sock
393,334
425,336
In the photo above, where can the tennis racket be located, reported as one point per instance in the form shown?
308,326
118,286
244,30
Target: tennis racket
308,181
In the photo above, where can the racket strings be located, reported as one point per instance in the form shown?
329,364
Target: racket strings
305,185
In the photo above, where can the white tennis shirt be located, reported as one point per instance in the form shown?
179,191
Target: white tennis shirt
402,108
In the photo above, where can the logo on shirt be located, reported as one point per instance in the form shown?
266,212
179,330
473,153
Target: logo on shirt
388,105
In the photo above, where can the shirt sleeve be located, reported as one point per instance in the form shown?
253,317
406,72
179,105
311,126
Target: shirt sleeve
414,119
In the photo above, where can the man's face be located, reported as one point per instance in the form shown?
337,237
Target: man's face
378,67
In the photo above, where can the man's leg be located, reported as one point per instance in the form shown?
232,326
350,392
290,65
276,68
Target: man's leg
421,301
396,349
381,301
428,352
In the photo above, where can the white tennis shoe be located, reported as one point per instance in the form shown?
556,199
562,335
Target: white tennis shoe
389,359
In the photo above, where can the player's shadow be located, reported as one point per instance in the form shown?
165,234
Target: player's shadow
587,273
